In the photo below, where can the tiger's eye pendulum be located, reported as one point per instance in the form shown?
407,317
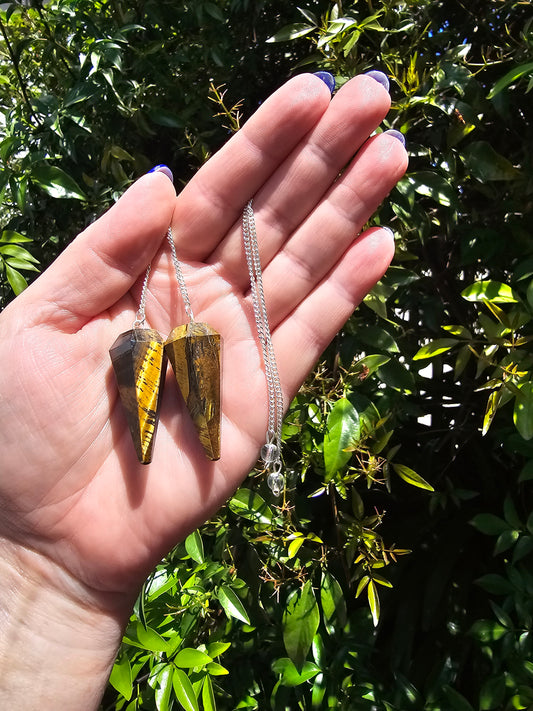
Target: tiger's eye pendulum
194,353
139,362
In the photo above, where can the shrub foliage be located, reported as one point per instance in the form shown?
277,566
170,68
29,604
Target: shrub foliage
395,572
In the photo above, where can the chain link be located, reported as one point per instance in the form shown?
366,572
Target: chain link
179,276
140,317
271,450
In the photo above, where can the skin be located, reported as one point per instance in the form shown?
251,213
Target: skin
82,523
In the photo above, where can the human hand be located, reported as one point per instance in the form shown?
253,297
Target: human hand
77,509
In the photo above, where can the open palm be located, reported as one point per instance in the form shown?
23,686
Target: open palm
71,488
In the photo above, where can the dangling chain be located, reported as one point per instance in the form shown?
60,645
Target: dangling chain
179,276
271,450
140,317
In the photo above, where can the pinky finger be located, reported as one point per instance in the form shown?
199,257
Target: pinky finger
313,324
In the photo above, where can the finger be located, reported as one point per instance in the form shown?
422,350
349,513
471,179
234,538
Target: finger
324,237
301,181
211,203
105,260
313,324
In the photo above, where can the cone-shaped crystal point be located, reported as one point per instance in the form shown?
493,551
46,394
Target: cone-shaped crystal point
139,362
194,352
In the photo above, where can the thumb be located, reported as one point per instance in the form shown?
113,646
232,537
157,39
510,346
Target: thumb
106,259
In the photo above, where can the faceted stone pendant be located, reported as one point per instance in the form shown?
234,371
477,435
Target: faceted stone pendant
139,362
194,352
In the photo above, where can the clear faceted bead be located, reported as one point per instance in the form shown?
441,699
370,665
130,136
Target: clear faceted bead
269,453
276,482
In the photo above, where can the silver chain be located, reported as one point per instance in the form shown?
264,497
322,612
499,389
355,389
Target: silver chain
140,317
271,450
179,276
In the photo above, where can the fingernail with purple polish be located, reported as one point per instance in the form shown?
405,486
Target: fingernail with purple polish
162,168
379,77
396,134
388,229
327,78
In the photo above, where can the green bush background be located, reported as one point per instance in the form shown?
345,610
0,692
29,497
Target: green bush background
396,571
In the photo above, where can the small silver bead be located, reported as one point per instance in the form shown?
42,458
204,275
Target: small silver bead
276,482
269,453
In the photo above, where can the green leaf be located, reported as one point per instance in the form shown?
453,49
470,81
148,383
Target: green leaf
368,365
485,164
332,603
457,330
373,601
489,524
9,236
510,78
188,658
343,429
523,410
163,688
456,700
291,32
411,477
378,338
434,186
14,250
505,541
208,695
496,584
232,605
16,280
487,631
300,623
216,669
249,505
215,649
489,290
436,347
290,676
184,691
145,638
492,693
56,182
121,677
195,546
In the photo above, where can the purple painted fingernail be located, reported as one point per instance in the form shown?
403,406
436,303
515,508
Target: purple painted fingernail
162,168
396,134
379,77
387,229
327,78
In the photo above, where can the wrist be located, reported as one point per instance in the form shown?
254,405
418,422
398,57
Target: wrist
58,640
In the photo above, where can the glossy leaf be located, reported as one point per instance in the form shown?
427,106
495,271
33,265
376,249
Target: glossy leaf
232,605
189,657
184,691
523,410
194,546
208,695
486,164
411,477
301,618
490,290
56,182
252,506
291,32
163,688
332,603
342,430
121,677
373,601
510,78
290,676
435,348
